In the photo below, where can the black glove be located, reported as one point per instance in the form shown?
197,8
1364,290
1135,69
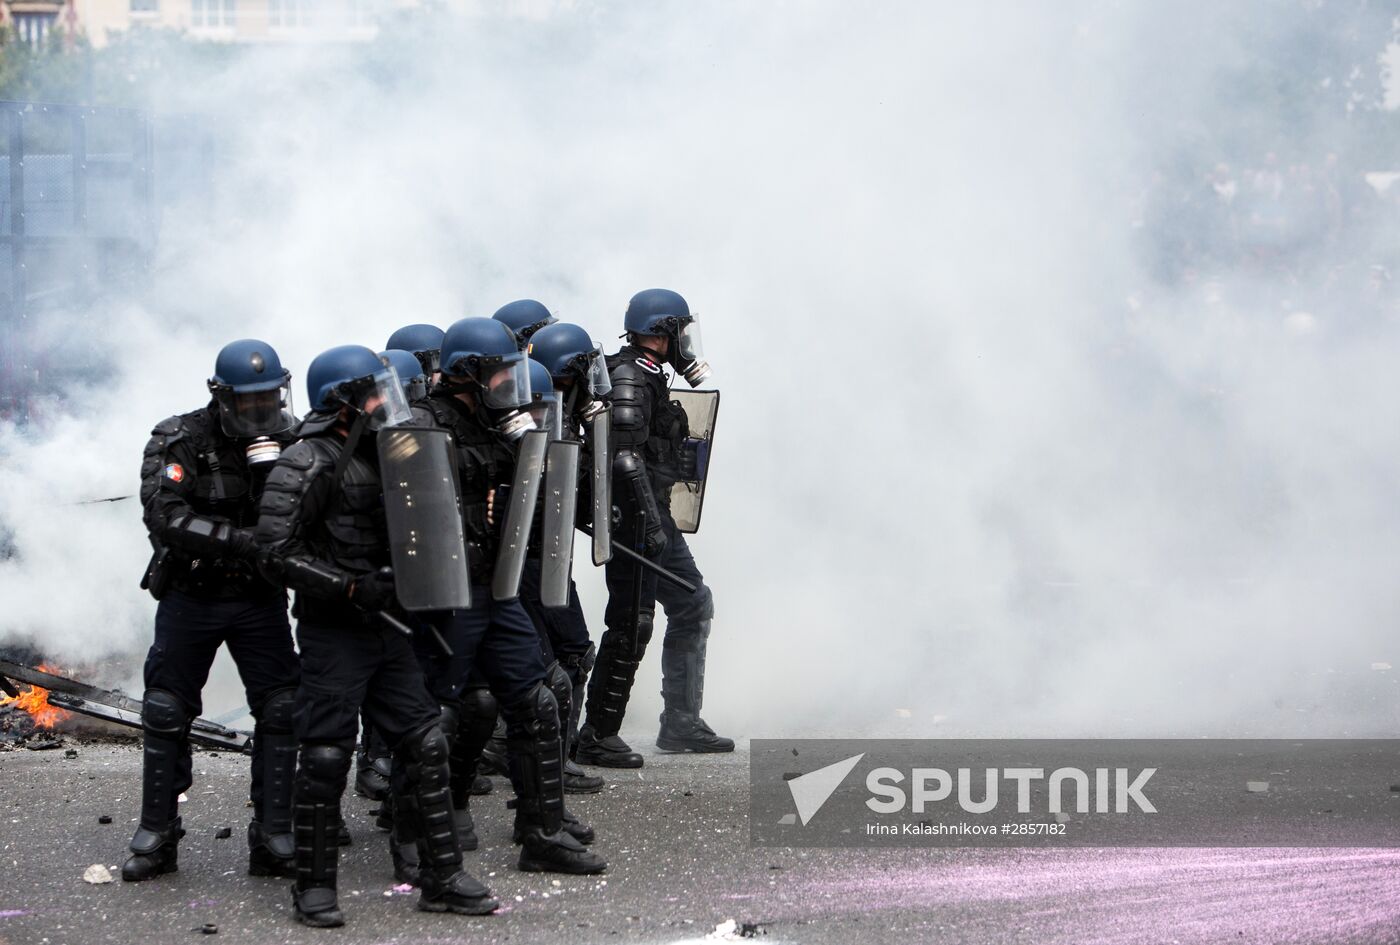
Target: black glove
374,591
240,542
655,542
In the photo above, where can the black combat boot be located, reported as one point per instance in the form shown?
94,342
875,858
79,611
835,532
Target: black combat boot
154,845
578,781
610,687
372,777
536,755
270,854
271,846
153,852
574,827
446,887
373,767
682,690
493,753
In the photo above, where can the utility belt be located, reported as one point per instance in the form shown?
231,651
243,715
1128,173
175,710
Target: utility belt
207,578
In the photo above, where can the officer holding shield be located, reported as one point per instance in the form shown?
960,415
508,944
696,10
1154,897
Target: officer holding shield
482,399
661,440
574,367
324,532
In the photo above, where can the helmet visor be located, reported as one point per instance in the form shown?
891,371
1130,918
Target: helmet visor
255,413
599,383
506,383
384,400
548,416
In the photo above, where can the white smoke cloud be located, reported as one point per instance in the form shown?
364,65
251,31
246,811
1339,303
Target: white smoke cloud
957,471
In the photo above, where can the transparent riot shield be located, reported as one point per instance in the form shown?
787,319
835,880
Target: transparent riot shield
424,519
600,439
519,515
557,529
688,492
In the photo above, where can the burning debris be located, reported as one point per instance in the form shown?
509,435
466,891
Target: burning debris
34,700
38,698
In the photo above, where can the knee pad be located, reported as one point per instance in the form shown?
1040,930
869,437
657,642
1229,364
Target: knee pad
646,621
427,746
561,686
478,704
276,714
162,713
323,772
448,719
536,715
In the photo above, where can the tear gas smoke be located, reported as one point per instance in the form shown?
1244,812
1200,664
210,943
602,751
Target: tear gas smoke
979,459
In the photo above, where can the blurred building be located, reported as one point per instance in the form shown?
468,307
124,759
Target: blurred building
254,21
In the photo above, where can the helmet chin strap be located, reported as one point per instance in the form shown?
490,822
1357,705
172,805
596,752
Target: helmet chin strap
352,440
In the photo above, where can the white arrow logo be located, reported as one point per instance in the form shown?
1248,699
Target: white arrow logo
815,788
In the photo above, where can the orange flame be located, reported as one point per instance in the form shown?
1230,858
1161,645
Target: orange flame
36,702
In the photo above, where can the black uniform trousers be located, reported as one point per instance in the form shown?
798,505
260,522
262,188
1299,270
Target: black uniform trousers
189,632
358,662
563,631
493,640
684,610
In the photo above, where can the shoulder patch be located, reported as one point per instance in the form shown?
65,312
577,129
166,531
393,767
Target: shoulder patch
648,366
175,472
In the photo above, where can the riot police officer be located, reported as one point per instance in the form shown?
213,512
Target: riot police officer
372,758
524,317
480,400
201,478
574,368
322,529
650,433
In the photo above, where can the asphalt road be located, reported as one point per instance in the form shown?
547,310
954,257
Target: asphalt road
676,836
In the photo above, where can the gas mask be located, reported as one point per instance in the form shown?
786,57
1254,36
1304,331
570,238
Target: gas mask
688,356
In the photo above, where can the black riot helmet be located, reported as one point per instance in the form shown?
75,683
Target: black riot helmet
664,313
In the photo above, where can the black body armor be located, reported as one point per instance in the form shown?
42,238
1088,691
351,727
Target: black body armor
320,531
484,462
200,500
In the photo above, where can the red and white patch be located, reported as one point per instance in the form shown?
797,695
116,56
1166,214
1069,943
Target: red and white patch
646,365
175,472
